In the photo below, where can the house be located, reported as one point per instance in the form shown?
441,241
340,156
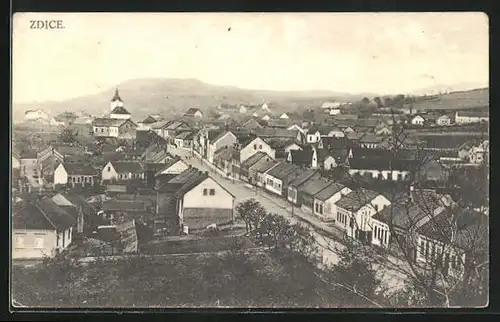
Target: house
256,172
313,134
324,201
114,128
243,109
15,162
146,138
474,152
193,200
443,120
329,159
383,130
249,162
167,129
290,145
224,139
466,117
36,115
223,159
75,174
252,124
173,167
383,169
120,113
40,228
307,157
123,170
418,120
184,140
307,191
308,174
149,120
355,137
193,112
28,162
156,154
454,241
253,146
355,210
371,141
336,131
255,114
277,178
84,211
266,118
265,107
332,108
432,171
281,123
400,221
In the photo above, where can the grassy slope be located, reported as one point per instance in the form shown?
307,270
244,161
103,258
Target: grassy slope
476,98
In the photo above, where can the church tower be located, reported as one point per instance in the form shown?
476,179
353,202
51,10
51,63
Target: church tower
116,100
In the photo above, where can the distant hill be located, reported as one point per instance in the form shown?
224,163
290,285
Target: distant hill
170,96
476,98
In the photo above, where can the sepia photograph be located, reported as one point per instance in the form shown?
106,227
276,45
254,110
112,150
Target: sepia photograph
249,160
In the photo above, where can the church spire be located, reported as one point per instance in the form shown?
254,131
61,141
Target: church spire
116,97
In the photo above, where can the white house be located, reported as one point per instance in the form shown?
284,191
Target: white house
382,169
295,127
278,177
354,212
333,108
225,139
255,114
291,147
265,107
466,117
75,174
254,146
324,201
313,135
194,112
266,117
34,115
243,109
122,170
284,116
417,120
40,229
15,161
112,127
443,120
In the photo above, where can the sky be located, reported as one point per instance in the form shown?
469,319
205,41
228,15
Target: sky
343,52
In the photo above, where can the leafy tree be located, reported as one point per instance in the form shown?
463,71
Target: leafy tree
365,101
378,101
67,136
251,212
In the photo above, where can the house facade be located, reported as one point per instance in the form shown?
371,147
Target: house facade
417,120
324,201
255,146
75,174
467,117
443,120
122,170
113,128
226,139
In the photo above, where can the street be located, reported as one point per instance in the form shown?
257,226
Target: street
392,278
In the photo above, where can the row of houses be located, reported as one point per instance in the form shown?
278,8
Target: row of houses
459,117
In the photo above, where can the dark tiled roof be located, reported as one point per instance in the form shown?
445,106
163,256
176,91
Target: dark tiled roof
264,164
382,164
253,159
371,138
192,111
330,143
329,191
356,199
108,122
42,214
309,174
213,134
227,153
312,187
469,229
145,138
120,110
124,205
79,169
127,166
302,157
276,133
185,135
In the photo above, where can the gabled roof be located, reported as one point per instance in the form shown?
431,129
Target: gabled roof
104,121
329,191
220,136
304,177
150,119
192,111
145,138
312,187
120,110
185,135
276,133
227,153
42,214
356,199
124,205
264,164
79,169
371,138
302,157
383,164
253,159
127,166
284,170
332,143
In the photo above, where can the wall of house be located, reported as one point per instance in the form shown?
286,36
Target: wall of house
257,145
196,198
344,221
60,175
430,251
227,140
417,121
380,233
395,175
443,121
105,131
292,195
273,184
336,133
28,166
120,116
30,247
292,147
109,172
15,163
329,163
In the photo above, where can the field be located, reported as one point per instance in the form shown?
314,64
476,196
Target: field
478,98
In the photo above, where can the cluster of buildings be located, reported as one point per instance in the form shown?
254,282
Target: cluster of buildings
134,186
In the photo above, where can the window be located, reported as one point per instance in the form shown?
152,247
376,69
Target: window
321,209
212,192
316,207
20,240
102,130
38,241
426,249
422,248
255,146
376,207
69,233
63,239
375,231
74,179
260,146
109,168
205,192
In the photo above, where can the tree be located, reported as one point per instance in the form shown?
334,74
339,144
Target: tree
365,101
275,227
251,212
67,136
378,101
